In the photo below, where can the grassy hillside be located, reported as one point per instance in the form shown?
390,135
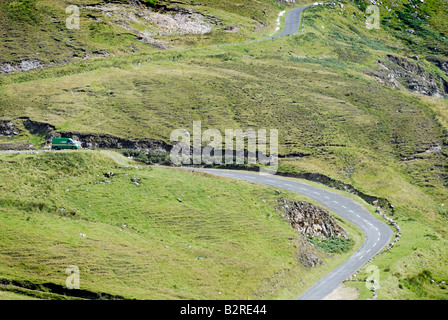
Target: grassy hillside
36,29
366,107
140,241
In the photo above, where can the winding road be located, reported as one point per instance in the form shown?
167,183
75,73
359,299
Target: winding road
377,234
293,21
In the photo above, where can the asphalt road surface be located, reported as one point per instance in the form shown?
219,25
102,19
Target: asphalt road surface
292,21
292,24
377,234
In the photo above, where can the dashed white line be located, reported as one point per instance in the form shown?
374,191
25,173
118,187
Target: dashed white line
328,198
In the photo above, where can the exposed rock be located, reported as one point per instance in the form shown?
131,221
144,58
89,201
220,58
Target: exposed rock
90,140
35,127
107,141
312,221
7,128
7,68
440,63
109,174
310,260
27,65
400,72
165,21
24,65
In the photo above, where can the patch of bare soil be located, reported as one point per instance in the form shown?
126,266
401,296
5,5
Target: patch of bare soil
343,293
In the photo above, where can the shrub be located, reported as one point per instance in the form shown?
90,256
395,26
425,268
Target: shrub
333,244
151,2
150,157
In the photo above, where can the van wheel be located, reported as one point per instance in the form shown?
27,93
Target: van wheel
56,148
74,148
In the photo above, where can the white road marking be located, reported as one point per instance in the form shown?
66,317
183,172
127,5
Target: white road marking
361,255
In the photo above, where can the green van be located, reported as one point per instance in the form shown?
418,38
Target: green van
64,143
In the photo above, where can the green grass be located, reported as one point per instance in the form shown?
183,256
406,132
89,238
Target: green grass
200,248
420,251
333,245
36,29
315,88
7,295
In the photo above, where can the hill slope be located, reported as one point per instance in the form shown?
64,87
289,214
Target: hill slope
366,107
173,235
34,33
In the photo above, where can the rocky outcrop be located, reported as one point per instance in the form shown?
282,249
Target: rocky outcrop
312,221
35,127
8,129
92,140
148,21
399,72
24,65
441,63
104,141
309,260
